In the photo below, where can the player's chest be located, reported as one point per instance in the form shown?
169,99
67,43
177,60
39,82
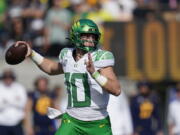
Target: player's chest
70,65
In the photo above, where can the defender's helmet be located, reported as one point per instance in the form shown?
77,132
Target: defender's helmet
84,26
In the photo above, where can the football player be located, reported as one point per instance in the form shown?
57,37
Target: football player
89,78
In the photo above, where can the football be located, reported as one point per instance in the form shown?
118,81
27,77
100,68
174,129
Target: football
16,54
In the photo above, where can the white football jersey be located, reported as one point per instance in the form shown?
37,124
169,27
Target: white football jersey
86,98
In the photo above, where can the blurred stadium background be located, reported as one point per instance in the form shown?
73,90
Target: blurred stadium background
142,34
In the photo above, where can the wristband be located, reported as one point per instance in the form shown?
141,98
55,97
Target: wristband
37,58
102,80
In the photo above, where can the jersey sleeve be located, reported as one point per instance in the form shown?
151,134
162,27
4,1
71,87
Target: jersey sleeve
62,55
103,59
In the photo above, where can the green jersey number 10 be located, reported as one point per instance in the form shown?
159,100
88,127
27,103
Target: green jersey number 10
73,82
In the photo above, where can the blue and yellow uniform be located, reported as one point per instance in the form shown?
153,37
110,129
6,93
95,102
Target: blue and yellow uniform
42,124
145,114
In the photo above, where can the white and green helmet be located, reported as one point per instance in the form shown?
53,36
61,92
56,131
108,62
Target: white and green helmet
84,26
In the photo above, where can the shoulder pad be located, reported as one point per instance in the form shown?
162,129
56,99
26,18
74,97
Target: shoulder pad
63,53
103,55
103,58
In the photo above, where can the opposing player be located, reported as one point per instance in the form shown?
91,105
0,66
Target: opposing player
89,77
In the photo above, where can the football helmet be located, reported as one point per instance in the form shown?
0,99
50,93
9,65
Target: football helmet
84,26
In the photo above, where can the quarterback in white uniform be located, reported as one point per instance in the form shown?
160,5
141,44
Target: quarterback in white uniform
87,99
89,78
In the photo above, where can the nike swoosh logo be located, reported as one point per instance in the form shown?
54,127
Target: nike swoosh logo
102,125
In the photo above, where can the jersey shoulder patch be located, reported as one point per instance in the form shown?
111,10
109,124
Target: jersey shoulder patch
103,58
103,55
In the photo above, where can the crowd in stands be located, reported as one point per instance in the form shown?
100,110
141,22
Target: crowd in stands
24,112
45,23
137,114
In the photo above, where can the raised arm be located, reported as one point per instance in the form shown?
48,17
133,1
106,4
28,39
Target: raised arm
105,77
112,85
46,65
50,67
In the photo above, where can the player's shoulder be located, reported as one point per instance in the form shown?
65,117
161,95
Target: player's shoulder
18,85
102,58
64,52
100,54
